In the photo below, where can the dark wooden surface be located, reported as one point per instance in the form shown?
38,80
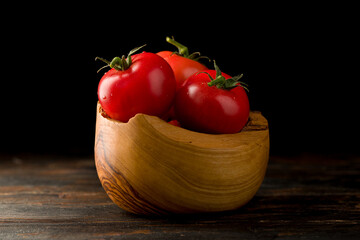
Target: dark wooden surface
304,197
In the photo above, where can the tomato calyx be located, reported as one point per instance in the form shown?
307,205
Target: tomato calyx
120,64
183,51
222,83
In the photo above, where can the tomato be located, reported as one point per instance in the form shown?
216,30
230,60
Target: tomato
212,102
142,83
183,67
182,63
175,123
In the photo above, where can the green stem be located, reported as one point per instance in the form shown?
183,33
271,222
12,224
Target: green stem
183,51
219,81
116,63
120,64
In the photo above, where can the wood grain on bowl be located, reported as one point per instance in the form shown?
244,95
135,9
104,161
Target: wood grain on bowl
148,166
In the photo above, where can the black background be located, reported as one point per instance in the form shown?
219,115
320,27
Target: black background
297,61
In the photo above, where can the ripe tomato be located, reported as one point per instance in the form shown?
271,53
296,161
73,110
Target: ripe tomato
212,105
145,83
175,123
182,63
183,67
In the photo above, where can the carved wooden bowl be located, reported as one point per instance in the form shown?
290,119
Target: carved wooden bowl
148,166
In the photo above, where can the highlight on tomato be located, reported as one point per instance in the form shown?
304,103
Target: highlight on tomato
140,83
212,102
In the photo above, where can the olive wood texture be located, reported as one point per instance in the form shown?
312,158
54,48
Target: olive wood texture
148,166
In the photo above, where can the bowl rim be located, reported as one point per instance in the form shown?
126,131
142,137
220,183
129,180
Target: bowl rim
254,131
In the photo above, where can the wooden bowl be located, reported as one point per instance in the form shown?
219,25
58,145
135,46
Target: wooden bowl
148,166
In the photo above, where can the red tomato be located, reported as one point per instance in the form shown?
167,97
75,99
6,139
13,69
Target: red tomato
222,107
147,86
182,63
175,123
183,67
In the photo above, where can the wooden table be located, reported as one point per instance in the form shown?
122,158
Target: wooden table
304,197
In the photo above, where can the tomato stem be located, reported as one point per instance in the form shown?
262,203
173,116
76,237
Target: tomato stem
120,64
183,51
221,82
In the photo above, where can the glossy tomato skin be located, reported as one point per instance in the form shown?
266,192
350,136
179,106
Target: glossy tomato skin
183,67
207,109
147,86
